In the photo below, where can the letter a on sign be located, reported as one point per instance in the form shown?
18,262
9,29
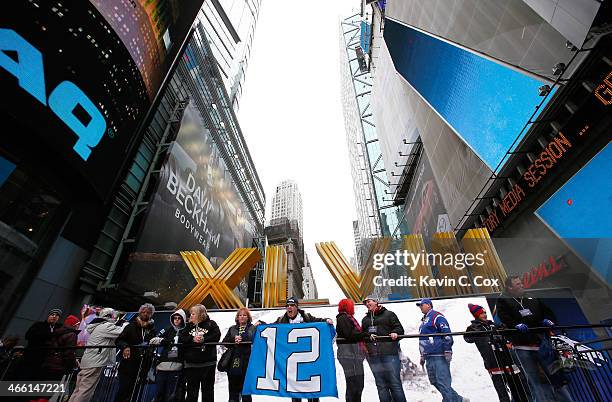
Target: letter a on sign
292,360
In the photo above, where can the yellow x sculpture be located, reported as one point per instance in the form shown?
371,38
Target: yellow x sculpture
218,283
355,286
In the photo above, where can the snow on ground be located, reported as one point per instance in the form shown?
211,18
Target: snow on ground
470,379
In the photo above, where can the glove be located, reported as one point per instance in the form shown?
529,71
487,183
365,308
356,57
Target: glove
522,328
448,356
156,341
548,323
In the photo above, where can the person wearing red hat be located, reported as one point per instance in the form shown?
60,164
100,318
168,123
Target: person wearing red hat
496,357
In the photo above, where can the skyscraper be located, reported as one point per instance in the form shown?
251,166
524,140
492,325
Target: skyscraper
461,148
287,203
230,28
309,285
376,213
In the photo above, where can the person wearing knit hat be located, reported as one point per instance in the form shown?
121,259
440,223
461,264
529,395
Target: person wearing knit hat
72,321
40,335
437,351
496,357
476,310
383,357
55,311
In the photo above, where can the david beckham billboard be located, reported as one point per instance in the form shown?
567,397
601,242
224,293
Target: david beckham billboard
196,207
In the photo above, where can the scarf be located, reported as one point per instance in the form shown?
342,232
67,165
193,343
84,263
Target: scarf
361,344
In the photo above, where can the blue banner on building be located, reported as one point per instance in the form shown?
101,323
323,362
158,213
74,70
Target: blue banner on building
292,360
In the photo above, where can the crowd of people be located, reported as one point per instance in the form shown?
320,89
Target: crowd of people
186,363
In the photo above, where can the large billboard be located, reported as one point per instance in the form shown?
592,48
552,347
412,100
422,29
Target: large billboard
78,77
579,213
424,211
196,207
486,103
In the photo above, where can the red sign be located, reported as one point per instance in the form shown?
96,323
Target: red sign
537,274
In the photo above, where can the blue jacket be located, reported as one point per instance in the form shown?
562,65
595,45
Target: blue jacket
434,323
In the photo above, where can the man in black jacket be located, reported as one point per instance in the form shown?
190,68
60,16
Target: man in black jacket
133,367
383,357
42,334
295,315
496,356
533,349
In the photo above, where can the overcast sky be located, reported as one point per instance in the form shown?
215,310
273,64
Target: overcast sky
291,116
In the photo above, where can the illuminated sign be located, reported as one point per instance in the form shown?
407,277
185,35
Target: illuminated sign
66,100
537,274
542,163
603,92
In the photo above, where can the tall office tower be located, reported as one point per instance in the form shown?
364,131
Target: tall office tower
287,203
375,213
309,285
230,27
482,111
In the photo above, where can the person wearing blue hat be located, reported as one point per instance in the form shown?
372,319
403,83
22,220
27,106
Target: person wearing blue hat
437,351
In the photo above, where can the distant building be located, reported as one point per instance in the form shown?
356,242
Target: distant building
310,285
287,203
286,233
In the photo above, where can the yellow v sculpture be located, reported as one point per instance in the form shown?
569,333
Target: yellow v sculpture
218,283
355,286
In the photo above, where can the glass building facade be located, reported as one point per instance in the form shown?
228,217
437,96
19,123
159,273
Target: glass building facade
490,90
376,214
71,219
230,28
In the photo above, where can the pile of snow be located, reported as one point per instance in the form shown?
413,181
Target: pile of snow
470,379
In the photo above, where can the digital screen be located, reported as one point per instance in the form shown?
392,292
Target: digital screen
579,213
196,207
79,77
487,104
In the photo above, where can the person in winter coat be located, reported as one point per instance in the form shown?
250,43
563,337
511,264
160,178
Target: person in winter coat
294,315
243,331
103,331
43,335
496,356
351,351
533,349
383,357
133,367
200,361
170,367
64,361
437,351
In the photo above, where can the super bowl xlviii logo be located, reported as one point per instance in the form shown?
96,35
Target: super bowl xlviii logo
27,67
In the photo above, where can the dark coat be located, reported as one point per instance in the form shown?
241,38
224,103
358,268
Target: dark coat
202,354
493,348
508,311
241,352
349,348
168,336
385,322
39,335
63,360
284,319
135,334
